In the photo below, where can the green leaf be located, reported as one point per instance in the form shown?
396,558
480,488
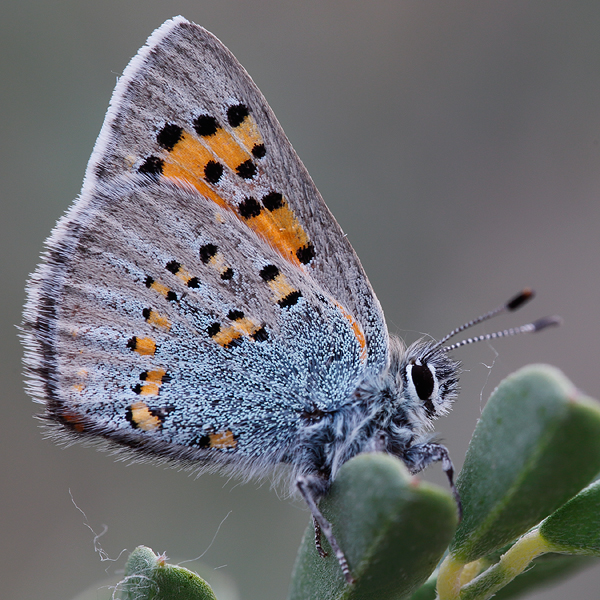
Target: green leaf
392,527
536,445
428,590
575,527
147,577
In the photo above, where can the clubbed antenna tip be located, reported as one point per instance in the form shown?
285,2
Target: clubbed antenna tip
545,322
520,299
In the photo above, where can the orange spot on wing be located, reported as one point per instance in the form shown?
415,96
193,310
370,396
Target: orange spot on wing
280,287
218,263
155,376
145,346
152,382
160,288
248,134
225,336
149,389
183,275
246,326
158,320
222,439
75,420
142,418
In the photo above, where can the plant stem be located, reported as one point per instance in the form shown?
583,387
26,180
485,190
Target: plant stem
511,564
448,584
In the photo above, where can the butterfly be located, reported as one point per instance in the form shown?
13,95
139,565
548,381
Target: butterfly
198,304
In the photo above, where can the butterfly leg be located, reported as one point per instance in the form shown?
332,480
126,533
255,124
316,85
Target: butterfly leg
318,545
307,486
422,455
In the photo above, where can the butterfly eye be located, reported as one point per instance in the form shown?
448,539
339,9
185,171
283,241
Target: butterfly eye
423,380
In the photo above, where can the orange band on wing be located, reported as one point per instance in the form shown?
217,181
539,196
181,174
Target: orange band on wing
199,161
227,149
248,133
282,230
187,160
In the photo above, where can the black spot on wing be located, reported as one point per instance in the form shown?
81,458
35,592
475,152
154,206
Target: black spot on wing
259,151
173,266
260,335
207,252
236,114
152,166
290,299
205,125
249,207
246,170
306,253
213,329
213,171
272,201
169,135
269,272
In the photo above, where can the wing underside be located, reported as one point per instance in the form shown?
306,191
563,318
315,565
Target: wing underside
198,300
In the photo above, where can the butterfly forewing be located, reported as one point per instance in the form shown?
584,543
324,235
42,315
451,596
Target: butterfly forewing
206,123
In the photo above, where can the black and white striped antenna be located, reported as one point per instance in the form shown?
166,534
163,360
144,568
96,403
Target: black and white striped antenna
514,304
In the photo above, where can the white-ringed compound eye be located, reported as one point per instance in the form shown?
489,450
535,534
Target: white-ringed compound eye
422,384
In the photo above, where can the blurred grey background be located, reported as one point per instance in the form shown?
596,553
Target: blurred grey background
458,145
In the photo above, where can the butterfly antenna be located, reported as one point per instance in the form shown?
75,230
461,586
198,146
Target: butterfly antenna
533,327
514,304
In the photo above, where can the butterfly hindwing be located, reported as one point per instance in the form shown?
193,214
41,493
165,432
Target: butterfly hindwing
174,339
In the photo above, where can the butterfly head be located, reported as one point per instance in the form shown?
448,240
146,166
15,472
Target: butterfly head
428,377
